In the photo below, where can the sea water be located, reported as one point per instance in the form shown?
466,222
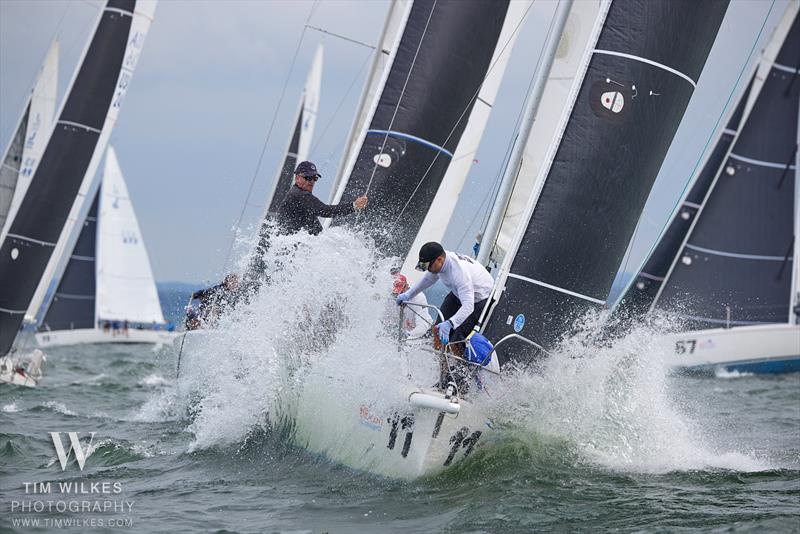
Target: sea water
599,437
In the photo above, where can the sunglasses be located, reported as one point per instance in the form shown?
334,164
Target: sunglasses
423,265
311,178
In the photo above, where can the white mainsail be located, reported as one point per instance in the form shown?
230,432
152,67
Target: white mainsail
38,120
310,109
126,289
565,68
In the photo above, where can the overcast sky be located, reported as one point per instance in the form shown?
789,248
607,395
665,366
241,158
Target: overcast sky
208,84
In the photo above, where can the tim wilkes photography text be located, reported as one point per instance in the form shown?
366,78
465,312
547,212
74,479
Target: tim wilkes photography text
73,503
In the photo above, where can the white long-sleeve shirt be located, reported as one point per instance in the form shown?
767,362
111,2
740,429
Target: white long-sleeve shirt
469,281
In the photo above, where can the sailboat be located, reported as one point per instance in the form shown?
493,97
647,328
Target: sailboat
63,177
27,143
107,293
727,267
632,58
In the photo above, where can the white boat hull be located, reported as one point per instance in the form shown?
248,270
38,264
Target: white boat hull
760,349
61,338
22,369
389,433
400,443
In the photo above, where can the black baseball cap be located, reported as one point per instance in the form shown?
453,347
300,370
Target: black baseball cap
307,168
427,253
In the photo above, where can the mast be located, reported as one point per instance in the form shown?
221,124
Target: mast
513,168
61,181
27,144
638,74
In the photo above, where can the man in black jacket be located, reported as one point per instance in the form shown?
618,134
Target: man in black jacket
300,208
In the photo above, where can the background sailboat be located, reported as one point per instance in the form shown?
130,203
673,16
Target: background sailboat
732,277
64,175
299,145
28,142
107,293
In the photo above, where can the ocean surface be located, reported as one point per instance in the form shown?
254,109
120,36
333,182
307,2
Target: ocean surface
608,441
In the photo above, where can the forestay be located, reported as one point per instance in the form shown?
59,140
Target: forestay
642,67
63,177
736,265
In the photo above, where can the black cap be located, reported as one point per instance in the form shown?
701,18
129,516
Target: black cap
307,168
430,251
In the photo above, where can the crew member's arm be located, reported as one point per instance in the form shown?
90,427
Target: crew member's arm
427,280
319,209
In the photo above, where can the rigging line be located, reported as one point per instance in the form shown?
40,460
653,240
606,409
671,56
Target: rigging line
495,188
341,103
400,99
348,39
689,182
269,132
460,118
515,138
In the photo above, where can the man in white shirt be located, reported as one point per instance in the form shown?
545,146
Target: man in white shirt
469,283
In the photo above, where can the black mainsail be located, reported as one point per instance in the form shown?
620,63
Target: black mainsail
73,304
83,125
438,67
641,73
735,266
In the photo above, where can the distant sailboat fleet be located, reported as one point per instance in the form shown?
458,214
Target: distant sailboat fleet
36,236
608,96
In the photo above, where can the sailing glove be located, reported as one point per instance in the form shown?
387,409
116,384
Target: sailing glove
444,332
402,298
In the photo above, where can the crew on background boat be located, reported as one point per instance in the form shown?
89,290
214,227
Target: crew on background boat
469,284
300,208
416,320
215,299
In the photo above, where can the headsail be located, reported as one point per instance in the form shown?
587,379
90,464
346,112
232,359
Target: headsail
735,266
126,289
421,114
642,67
27,144
300,141
62,180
